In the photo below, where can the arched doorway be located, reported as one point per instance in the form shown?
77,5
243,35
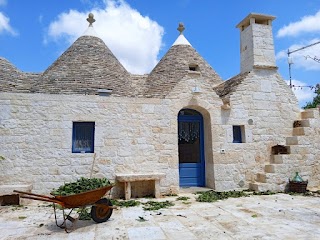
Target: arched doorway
191,148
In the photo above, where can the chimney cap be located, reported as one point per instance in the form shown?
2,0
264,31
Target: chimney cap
257,16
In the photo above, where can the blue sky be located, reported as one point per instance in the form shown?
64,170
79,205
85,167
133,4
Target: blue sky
34,33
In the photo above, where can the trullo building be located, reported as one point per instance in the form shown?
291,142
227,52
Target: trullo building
181,125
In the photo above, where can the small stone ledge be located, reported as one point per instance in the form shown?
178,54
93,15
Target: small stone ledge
196,73
8,197
265,67
8,189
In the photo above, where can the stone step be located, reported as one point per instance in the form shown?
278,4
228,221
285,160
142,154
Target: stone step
255,186
310,113
269,168
305,123
289,158
298,140
275,168
302,131
261,177
277,159
292,140
298,131
300,149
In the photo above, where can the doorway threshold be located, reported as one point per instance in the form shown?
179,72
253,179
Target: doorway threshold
194,189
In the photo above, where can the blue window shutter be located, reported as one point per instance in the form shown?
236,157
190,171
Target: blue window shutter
83,137
237,134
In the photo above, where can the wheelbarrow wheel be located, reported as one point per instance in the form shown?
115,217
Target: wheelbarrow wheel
101,213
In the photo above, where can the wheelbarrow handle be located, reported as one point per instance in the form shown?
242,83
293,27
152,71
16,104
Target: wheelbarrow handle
53,200
39,197
32,194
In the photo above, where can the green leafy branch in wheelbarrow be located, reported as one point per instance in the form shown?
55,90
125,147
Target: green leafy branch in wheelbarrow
81,185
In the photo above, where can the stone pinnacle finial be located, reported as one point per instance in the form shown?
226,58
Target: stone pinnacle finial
181,28
90,19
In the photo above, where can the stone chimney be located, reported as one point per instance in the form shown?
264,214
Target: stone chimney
256,42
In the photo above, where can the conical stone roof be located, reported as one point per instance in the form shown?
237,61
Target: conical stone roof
85,67
14,80
175,65
8,75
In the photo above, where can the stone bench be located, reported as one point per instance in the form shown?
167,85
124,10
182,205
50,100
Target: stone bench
133,177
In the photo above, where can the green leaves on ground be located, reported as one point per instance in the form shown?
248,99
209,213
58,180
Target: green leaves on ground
128,203
264,193
81,185
183,198
153,205
212,196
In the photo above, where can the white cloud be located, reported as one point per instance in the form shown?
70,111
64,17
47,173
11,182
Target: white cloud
3,2
307,24
134,39
5,26
303,94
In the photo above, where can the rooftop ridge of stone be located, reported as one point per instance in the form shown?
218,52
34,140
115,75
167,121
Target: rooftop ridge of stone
7,65
230,85
13,79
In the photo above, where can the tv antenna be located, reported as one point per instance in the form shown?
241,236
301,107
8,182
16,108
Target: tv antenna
290,62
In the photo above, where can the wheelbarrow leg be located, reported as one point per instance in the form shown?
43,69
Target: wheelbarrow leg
65,218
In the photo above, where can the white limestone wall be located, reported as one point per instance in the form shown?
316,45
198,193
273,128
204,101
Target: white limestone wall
36,138
131,136
140,135
266,107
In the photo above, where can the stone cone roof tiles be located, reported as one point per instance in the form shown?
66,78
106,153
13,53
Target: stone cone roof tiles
85,67
14,80
174,66
230,86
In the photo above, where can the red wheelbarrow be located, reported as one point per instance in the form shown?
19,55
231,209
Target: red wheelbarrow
101,208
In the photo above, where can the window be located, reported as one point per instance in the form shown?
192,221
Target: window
193,67
238,132
83,137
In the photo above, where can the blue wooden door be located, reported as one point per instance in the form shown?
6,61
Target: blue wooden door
191,148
